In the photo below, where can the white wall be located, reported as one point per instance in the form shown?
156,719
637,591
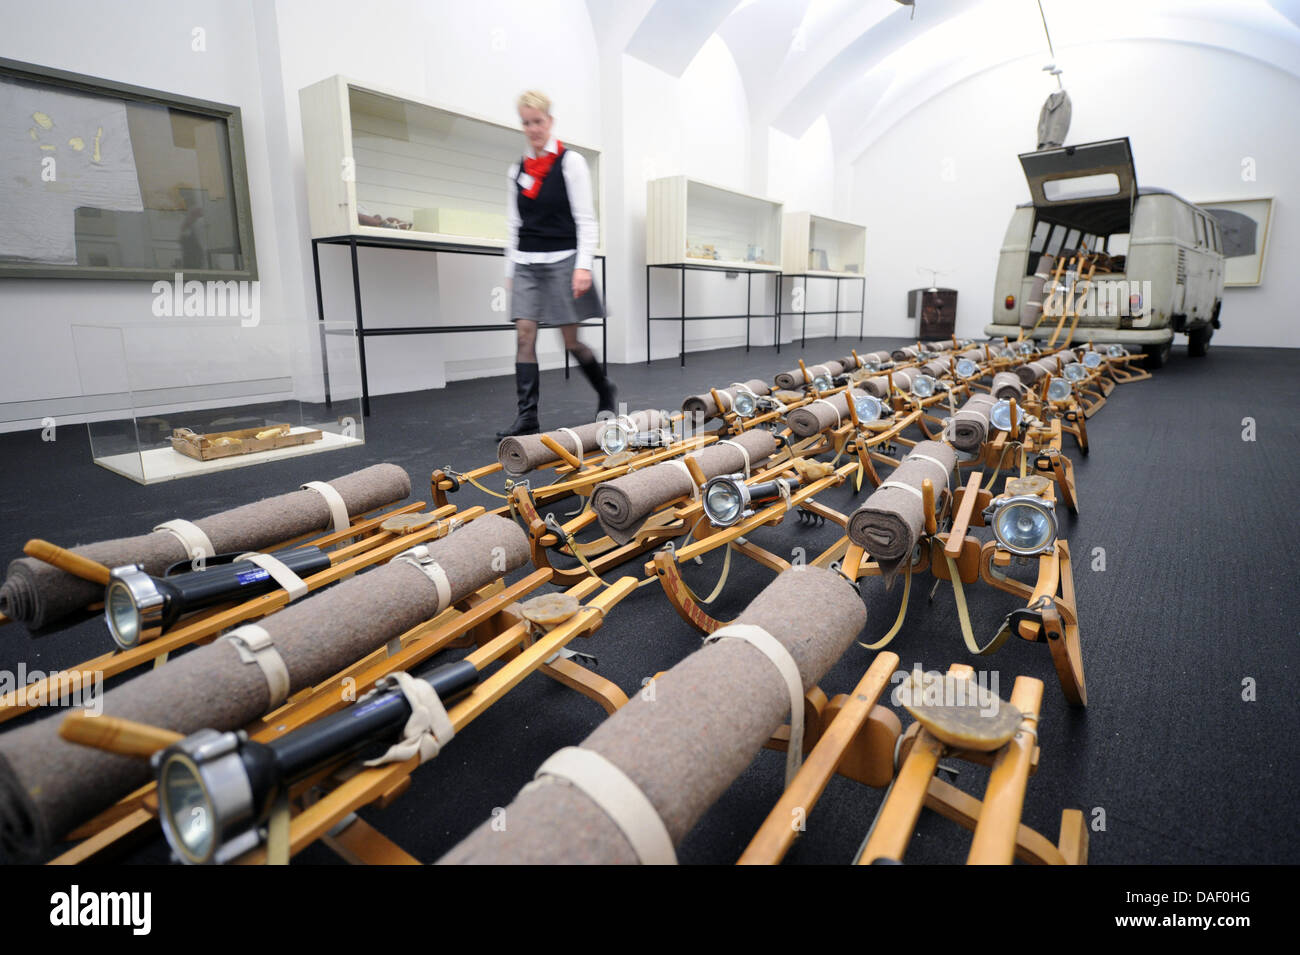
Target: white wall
938,187
152,47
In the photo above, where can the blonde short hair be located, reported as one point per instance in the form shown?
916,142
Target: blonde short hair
535,100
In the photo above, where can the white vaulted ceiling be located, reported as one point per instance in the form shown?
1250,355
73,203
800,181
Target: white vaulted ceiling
864,64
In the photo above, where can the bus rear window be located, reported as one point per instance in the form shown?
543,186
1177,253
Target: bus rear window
1081,187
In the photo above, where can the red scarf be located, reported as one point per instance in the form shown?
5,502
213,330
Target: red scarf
539,167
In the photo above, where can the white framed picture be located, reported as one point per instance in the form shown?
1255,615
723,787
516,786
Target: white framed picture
1244,225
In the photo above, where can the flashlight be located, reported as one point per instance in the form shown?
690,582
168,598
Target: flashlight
216,790
1024,525
139,606
1059,389
727,498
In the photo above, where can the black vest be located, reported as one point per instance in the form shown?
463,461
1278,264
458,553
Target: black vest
546,223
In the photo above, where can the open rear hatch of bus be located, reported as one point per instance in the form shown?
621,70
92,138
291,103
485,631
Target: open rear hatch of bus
1090,187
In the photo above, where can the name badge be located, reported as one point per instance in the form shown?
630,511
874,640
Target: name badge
525,181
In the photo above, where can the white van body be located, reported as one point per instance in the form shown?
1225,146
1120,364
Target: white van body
1166,252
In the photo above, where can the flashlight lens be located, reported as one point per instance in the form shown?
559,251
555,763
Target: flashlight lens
823,383
1059,389
923,386
1075,372
722,503
967,368
1025,348
867,406
744,404
121,614
613,439
188,809
1091,359
1000,416
1115,351
1024,528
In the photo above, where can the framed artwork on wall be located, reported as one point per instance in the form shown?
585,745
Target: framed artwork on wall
103,180
1244,224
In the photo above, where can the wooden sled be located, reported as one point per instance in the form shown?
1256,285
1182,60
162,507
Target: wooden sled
321,806
1008,744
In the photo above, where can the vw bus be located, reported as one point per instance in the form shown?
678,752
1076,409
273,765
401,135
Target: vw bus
1135,265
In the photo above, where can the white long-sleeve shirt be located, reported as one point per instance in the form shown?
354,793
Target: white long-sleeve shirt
577,182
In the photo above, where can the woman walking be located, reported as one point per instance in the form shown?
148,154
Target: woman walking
551,238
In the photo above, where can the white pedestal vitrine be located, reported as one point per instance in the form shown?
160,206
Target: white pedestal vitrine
817,245
689,222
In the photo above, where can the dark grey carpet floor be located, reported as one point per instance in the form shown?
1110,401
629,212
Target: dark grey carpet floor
1169,763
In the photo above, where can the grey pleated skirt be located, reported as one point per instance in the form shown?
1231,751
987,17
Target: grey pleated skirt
544,293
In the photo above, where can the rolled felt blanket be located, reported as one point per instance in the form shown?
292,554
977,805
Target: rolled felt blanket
1007,385
1033,371
879,357
905,354
708,719
624,503
38,594
794,377
817,416
937,368
524,453
876,386
944,345
705,405
49,786
888,524
903,378
848,363
970,423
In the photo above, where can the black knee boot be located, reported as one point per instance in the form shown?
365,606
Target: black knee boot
527,387
606,391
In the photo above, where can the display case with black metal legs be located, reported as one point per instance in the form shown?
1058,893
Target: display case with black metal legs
806,313
748,315
354,242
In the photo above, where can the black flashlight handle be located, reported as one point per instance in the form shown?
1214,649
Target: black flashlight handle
765,491
237,580
377,719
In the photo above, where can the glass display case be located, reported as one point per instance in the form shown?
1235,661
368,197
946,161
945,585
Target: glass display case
386,165
693,222
141,383
817,245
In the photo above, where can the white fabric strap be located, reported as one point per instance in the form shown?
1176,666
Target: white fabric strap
776,651
743,453
255,646
577,441
900,484
427,730
338,510
419,558
193,539
695,488
925,457
617,796
293,585
838,417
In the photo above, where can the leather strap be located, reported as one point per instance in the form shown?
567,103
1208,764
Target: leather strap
695,488
838,417
743,453
338,509
427,730
777,652
578,452
617,796
256,646
192,538
293,585
419,558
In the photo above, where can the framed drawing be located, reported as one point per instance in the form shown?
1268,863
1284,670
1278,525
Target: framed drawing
108,181
1244,224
